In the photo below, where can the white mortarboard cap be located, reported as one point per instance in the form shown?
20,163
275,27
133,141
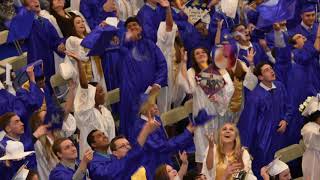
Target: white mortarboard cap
276,167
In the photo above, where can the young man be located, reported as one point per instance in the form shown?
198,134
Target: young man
14,129
125,159
68,167
159,149
243,42
90,112
264,120
143,67
304,71
42,38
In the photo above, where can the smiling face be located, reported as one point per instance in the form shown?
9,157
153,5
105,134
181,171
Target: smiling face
122,146
79,25
200,56
308,18
100,140
228,133
172,173
33,5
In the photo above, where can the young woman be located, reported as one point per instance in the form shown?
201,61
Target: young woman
311,138
227,158
46,160
276,170
211,87
92,64
64,19
166,172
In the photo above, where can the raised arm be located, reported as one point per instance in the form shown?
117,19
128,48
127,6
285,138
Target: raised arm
169,18
82,75
184,164
218,33
210,155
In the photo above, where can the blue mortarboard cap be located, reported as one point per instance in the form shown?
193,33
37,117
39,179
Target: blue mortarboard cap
38,68
55,113
21,25
99,40
202,118
308,7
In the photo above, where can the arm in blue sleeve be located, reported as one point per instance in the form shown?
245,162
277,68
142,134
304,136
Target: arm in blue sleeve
32,99
156,143
118,167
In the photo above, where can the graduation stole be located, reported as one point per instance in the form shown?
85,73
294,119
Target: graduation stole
237,77
210,80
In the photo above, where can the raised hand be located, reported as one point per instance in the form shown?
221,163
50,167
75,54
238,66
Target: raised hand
88,155
282,127
211,139
109,6
183,157
61,48
276,27
30,72
41,130
250,56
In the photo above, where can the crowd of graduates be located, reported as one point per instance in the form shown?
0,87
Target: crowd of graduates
250,68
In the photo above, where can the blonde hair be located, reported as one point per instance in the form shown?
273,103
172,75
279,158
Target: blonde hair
236,147
146,105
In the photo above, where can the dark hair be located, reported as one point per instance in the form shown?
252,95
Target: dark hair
31,175
313,117
178,44
90,138
193,58
5,119
56,146
73,29
93,84
161,173
257,69
292,41
113,146
233,29
131,19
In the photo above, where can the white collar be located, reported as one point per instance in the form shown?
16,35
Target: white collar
266,87
151,6
305,26
245,47
145,117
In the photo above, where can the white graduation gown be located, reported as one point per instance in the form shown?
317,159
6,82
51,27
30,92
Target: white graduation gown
173,93
311,157
89,118
201,101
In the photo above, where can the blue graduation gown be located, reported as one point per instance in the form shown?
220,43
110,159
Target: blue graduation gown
9,172
142,65
149,20
301,72
283,64
41,43
23,104
259,57
104,167
93,11
60,172
310,35
259,121
158,149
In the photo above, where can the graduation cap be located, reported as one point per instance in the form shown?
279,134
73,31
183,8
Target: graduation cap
21,25
276,167
100,40
22,76
308,7
274,11
55,113
202,118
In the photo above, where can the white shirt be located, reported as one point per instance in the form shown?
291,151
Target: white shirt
266,87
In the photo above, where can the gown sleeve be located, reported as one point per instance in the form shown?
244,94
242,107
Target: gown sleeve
311,136
161,76
118,167
73,44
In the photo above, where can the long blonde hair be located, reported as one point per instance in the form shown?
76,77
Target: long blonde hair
236,147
